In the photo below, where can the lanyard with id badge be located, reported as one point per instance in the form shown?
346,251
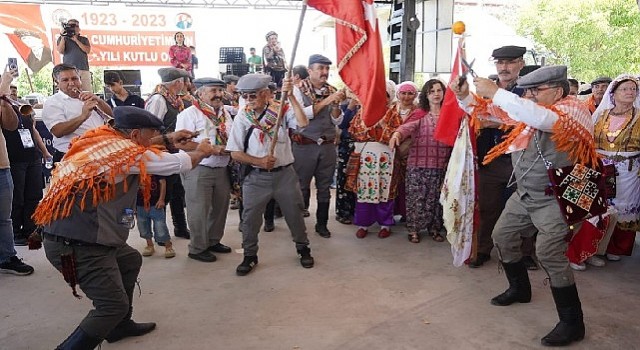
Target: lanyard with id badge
25,136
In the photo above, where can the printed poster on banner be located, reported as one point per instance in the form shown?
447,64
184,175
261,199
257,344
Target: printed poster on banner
119,36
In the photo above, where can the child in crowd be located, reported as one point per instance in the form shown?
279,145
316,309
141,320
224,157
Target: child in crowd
156,215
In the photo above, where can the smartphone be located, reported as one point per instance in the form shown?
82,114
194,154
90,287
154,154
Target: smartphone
13,65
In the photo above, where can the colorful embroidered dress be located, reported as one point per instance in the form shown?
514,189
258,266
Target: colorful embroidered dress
376,158
622,148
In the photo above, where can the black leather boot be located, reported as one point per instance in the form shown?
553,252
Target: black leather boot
129,328
519,286
179,219
79,340
322,217
306,260
571,325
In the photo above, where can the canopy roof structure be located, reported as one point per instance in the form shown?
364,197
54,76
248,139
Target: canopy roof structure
258,4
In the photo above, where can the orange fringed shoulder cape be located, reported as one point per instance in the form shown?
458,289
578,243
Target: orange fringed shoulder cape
94,161
571,132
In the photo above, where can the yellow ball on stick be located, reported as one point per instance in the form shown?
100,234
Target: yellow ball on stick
458,27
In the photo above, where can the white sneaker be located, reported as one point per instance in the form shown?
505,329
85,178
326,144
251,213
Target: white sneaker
578,267
613,257
596,261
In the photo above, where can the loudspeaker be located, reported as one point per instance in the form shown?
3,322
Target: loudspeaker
131,80
129,76
232,55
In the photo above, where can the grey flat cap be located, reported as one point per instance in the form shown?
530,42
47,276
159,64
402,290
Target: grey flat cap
508,52
318,59
543,75
230,78
169,74
601,80
200,82
253,82
129,117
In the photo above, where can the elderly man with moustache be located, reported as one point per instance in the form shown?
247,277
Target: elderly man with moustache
598,87
554,123
314,146
207,186
88,212
268,176
494,177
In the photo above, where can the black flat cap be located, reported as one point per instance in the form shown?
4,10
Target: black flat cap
253,82
230,78
508,52
200,82
600,80
170,74
129,117
318,59
543,75
528,69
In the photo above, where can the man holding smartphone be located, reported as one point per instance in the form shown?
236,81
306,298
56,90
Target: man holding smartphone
75,49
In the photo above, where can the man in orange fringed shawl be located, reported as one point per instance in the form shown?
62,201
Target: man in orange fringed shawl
549,127
598,87
89,210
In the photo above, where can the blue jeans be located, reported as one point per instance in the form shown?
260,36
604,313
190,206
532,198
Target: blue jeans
159,220
6,230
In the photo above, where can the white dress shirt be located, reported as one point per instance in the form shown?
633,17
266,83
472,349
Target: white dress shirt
308,110
193,119
61,108
282,152
519,109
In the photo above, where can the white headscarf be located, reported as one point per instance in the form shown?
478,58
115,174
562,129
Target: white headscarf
391,91
608,102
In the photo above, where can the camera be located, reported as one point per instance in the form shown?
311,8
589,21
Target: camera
68,29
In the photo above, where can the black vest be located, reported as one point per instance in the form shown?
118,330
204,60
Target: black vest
171,117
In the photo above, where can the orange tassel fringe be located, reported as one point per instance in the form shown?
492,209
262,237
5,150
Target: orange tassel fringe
91,167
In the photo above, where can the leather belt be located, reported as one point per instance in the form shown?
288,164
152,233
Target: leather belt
68,241
303,140
273,170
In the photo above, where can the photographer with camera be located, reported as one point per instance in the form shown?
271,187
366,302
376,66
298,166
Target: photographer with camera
273,55
74,49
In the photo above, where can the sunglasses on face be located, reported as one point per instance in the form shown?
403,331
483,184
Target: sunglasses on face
249,96
536,90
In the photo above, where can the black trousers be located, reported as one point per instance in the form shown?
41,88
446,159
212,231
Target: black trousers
27,193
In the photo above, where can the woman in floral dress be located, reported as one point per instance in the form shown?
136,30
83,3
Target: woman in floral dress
426,165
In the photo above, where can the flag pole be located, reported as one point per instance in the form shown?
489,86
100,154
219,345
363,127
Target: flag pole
29,79
285,94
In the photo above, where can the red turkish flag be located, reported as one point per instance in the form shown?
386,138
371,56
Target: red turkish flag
451,114
25,29
359,50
